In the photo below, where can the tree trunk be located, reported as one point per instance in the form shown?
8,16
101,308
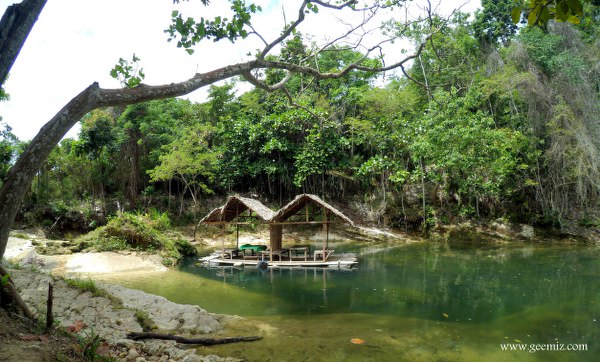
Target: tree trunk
16,23
15,296
134,135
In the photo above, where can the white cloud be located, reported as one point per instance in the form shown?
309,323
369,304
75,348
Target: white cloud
77,42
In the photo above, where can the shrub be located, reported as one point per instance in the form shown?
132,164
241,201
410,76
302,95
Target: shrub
149,232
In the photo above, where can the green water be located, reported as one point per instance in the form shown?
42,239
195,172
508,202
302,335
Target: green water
418,302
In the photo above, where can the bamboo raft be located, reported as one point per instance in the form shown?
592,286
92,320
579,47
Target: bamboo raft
346,260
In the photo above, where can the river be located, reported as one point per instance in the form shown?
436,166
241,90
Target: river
416,302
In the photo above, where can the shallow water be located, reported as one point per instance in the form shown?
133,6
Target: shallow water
417,302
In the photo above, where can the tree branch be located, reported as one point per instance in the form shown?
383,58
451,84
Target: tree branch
179,339
16,23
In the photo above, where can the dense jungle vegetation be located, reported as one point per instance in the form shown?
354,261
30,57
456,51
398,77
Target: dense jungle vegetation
496,121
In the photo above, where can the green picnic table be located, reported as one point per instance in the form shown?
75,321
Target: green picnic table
253,248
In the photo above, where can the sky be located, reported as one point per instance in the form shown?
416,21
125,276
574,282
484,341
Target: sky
77,42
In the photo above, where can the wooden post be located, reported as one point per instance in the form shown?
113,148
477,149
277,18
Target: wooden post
49,302
237,235
237,226
325,233
222,241
275,238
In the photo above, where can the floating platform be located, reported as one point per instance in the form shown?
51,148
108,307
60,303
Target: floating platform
347,260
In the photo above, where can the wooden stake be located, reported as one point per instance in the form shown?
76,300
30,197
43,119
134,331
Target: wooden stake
49,302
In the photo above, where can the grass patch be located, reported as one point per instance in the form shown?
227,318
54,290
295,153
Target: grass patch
89,285
85,285
145,321
139,231
20,236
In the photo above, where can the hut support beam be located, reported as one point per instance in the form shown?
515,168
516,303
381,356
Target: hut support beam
222,241
325,234
275,238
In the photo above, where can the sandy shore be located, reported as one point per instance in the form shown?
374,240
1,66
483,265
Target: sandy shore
22,251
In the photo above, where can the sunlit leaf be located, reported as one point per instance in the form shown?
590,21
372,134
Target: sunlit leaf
515,14
532,18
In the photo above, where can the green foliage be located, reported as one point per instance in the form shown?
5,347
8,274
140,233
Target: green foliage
547,51
467,153
191,31
8,148
141,231
539,12
3,95
321,152
128,73
189,160
495,125
89,342
493,23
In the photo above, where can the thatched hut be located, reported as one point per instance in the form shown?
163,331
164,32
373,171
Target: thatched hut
316,211
243,211
238,211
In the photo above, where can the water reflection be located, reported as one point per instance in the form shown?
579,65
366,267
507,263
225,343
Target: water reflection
421,301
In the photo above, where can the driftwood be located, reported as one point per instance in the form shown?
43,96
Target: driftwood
201,341
9,287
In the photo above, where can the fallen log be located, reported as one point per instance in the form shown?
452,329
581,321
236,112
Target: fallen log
201,341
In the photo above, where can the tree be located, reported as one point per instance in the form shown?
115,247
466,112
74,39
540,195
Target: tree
493,22
16,23
190,161
188,33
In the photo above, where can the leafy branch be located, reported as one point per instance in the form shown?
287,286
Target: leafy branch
128,73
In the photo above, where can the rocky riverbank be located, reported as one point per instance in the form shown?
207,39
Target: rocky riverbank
88,309
114,311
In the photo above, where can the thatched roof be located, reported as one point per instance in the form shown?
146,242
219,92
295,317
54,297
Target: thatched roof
213,216
300,202
235,206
